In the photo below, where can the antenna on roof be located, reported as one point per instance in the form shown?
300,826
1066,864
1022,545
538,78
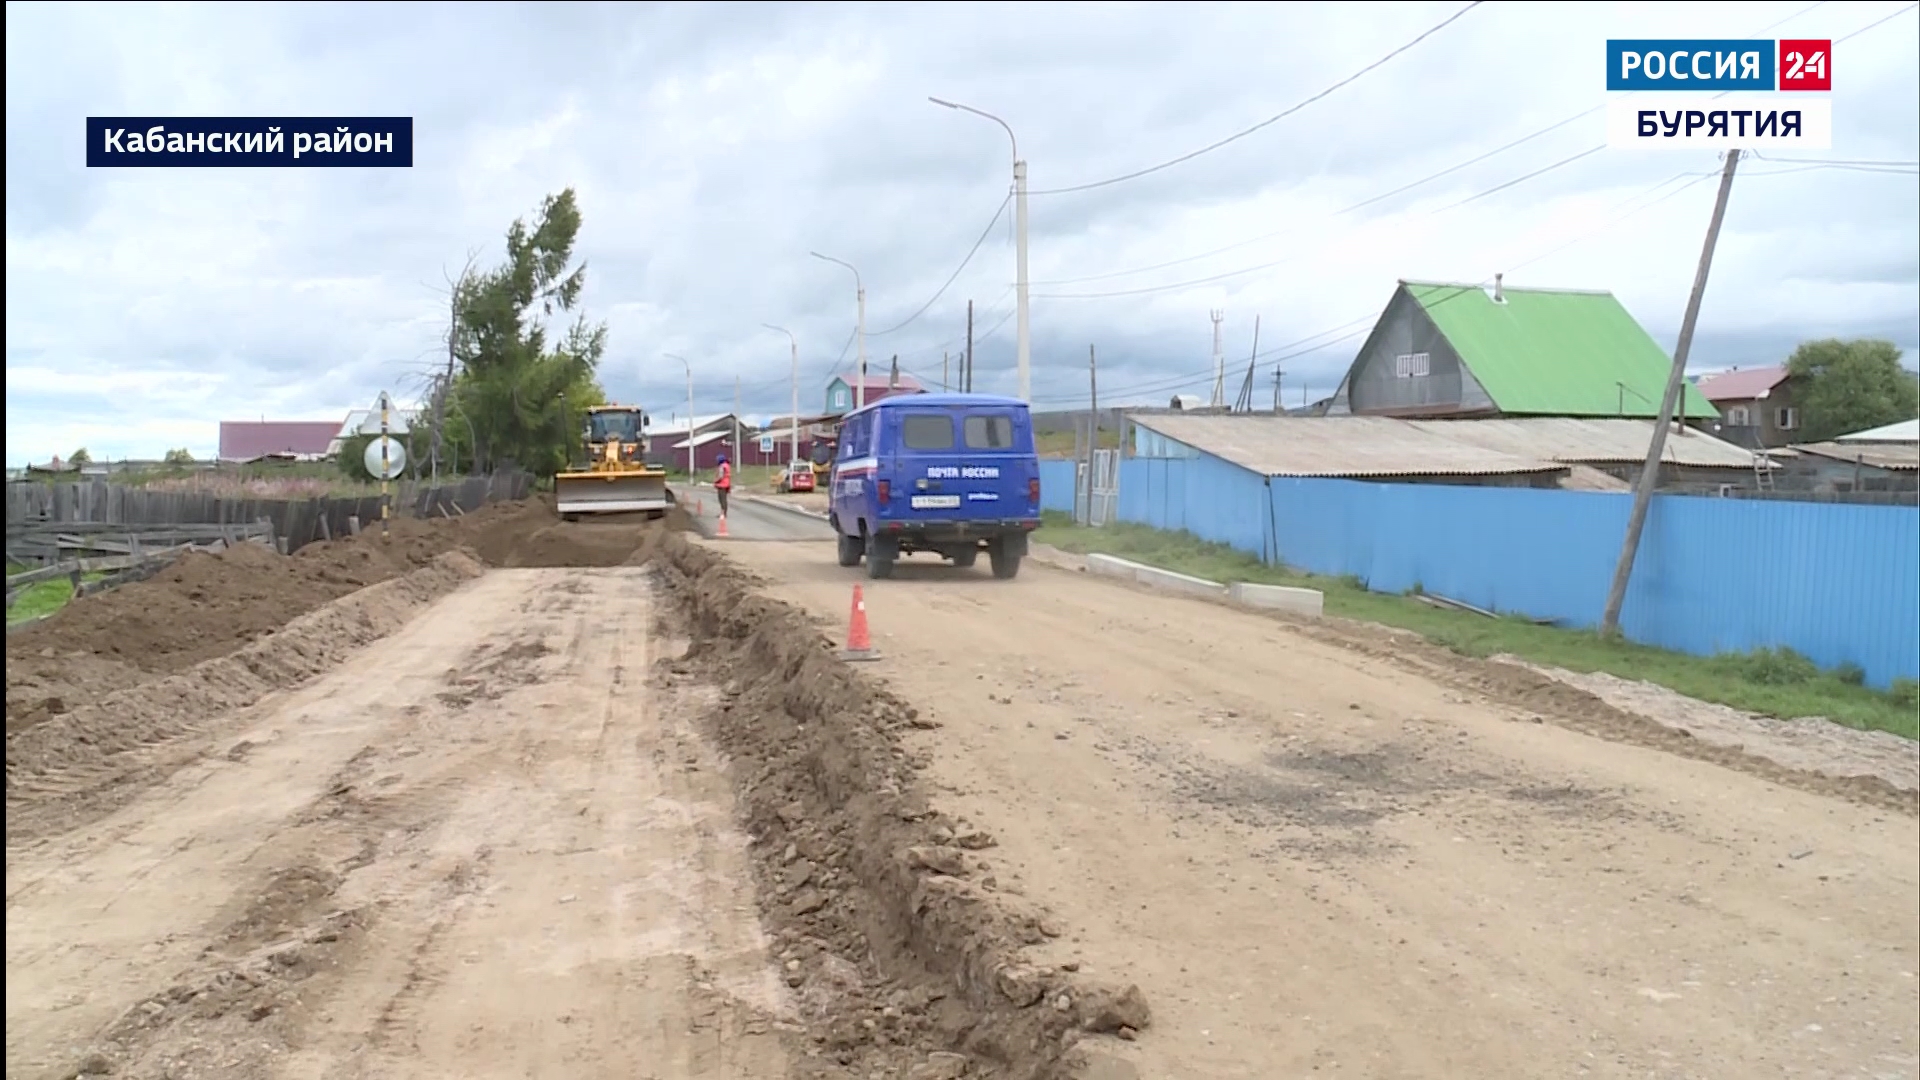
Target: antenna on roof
1499,293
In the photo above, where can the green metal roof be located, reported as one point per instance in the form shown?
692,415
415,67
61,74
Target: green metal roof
1546,352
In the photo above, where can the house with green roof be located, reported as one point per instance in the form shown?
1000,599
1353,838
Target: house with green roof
1449,350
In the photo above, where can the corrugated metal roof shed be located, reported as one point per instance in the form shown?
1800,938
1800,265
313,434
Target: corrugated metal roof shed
1343,446
1591,441
1898,457
1901,431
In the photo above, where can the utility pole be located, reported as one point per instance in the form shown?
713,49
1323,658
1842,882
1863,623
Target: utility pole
684,362
738,457
1020,281
943,371
1676,379
1023,360
859,327
794,344
1219,397
1244,402
969,364
1093,425
1276,388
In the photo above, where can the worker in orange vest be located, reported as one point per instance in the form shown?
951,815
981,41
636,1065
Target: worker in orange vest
723,483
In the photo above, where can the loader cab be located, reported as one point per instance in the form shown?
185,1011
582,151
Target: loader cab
615,425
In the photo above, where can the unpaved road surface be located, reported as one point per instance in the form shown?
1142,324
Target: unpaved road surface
1319,862
486,846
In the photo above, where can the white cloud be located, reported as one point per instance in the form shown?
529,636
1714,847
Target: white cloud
713,146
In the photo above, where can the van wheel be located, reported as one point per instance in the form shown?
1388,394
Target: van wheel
965,557
849,550
1006,563
881,552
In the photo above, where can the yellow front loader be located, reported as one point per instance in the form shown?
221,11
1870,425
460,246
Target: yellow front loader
617,478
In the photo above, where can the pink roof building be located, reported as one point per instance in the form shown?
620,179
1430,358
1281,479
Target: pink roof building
246,440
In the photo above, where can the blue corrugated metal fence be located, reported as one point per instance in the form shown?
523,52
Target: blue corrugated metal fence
1838,583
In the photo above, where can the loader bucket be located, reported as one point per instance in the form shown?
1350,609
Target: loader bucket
611,493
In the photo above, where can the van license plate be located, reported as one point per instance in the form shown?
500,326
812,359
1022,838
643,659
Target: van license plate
935,502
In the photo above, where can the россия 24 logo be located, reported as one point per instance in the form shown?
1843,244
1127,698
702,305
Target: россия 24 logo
1669,66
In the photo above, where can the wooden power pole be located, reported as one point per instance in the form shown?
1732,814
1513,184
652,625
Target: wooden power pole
1676,380
1093,425
967,366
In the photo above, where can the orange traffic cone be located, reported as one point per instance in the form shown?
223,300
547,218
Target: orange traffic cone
722,531
859,644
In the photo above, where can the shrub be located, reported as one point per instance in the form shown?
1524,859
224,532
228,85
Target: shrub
1905,692
1778,667
1851,674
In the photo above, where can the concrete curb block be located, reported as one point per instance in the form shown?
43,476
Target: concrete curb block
1283,598
1155,578
1287,598
757,500
1152,576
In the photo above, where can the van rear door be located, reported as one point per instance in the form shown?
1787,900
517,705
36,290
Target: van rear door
962,463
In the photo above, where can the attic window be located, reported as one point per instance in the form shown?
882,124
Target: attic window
1411,365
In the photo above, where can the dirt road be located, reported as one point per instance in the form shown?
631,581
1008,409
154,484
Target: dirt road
1317,862
488,846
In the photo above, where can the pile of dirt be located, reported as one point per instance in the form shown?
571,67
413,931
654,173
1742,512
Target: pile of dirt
207,605
83,762
906,957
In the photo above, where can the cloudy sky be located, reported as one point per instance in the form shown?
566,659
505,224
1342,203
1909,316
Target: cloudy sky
713,147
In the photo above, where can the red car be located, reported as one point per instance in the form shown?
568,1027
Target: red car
798,477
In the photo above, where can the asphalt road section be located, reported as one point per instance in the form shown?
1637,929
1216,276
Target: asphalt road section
1319,862
484,846
749,518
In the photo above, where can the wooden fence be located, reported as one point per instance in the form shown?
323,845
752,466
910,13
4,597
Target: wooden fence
36,512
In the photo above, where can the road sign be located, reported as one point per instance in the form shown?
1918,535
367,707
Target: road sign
766,444
396,424
396,459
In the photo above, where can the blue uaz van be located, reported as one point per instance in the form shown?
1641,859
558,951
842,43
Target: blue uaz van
949,473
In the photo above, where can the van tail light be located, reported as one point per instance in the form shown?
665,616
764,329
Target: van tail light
884,489
1033,490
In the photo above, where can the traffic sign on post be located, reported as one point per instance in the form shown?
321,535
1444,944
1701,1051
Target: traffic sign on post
383,418
385,458
766,444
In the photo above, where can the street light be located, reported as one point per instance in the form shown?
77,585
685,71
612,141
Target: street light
1019,245
795,418
859,329
689,367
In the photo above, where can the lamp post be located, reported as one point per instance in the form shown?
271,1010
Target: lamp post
859,329
794,420
689,367
1024,360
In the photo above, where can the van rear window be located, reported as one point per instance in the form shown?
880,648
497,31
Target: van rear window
989,433
926,432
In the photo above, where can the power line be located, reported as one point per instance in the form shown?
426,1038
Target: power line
1264,123
1589,152
1831,161
1353,327
1296,256
971,252
1557,125
1877,22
